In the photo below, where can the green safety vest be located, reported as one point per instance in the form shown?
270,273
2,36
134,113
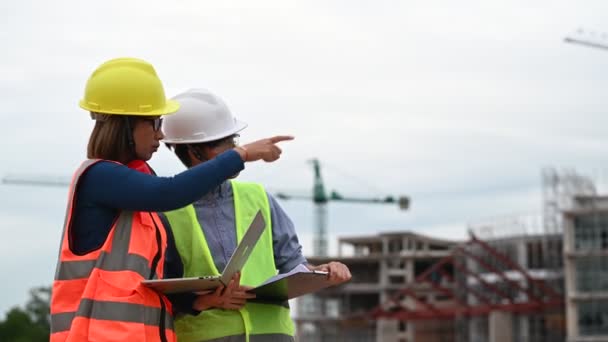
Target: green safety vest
253,318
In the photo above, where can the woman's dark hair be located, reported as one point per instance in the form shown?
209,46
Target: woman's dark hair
111,138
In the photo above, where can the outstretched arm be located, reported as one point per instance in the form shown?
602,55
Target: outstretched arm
116,186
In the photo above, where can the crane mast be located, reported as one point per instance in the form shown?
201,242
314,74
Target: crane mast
320,241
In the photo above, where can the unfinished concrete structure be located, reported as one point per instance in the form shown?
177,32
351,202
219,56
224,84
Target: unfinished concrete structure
518,279
492,296
380,264
574,208
546,278
532,305
586,267
408,287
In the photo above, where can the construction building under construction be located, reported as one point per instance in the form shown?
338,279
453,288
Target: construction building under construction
476,291
575,208
380,265
586,268
520,278
522,292
409,287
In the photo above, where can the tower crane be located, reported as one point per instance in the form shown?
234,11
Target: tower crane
319,197
588,38
320,200
36,180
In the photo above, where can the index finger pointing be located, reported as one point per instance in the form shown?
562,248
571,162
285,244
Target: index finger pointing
280,138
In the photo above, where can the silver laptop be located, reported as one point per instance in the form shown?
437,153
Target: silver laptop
235,264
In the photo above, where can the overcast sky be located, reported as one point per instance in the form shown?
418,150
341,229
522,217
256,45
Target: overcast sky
456,104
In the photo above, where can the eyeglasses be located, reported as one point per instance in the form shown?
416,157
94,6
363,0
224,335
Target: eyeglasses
157,123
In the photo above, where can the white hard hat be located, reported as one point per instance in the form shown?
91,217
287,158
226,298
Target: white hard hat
201,117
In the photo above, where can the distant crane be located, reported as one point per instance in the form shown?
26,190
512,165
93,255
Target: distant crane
36,180
319,197
589,38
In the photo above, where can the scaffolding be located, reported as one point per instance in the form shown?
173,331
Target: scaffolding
380,264
483,283
583,218
559,188
507,283
510,276
503,227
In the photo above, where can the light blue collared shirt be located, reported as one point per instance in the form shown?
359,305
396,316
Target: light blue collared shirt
215,213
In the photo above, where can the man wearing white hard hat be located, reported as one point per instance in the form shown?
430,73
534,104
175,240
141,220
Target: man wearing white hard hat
206,233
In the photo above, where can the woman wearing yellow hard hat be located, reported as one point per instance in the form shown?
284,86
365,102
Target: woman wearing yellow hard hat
113,237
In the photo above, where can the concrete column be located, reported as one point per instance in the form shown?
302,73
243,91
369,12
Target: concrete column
384,245
522,254
500,326
386,330
571,318
524,328
409,270
570,280
383,275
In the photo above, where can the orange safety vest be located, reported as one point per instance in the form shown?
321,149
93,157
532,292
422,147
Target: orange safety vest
98,296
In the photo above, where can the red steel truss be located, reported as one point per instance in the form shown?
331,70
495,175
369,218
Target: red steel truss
527,296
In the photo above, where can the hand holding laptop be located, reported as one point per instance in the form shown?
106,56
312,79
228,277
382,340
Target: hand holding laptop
210,283
224,290
231,297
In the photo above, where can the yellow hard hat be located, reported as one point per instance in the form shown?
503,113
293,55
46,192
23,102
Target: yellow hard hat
126,86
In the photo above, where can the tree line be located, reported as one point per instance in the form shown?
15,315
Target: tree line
30,323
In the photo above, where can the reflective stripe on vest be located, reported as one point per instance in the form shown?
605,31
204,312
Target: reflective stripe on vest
99,296
255,318
118,260
114,311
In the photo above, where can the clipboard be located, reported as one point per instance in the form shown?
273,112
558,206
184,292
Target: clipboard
297,282
235,264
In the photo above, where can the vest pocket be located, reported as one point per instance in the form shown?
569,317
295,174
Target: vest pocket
117,309
150,242
118,286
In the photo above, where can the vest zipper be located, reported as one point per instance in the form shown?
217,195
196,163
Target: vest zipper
163,309
158,249
161,325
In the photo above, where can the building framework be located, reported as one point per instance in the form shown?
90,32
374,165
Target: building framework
381,265
528,278
493,298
